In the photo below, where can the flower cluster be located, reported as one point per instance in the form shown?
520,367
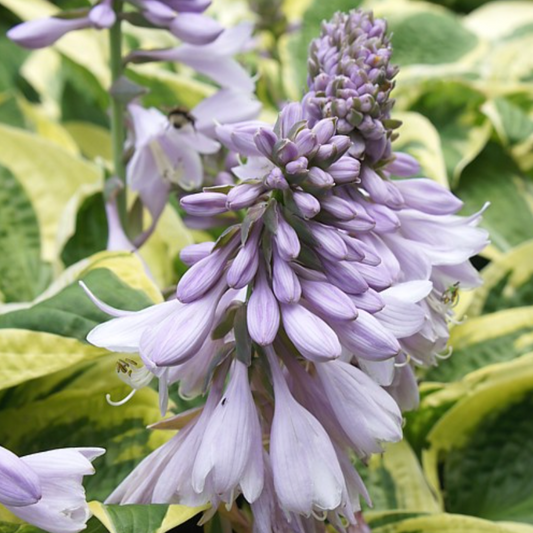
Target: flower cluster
45,488
351,77
303,322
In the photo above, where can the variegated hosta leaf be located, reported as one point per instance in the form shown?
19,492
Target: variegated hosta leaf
480,452
493,176
507,282
486,340
453,108
116,277
74,412
419,138
49,175
396,483
141,518
442,523
23,275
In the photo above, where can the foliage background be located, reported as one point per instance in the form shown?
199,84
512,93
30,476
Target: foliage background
465,96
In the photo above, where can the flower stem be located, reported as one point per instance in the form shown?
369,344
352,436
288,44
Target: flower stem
118,134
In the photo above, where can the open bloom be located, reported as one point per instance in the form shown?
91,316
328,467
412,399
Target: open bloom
45,489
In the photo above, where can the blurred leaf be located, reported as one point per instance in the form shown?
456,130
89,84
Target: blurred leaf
453,108
507,282
395,482
496,20
114,277
419,138
50,177
90,234
510,121
82,97
429,37
485,340
167,88
142,518
483,446
7,527
22,273
164,245
443,523
493,176
46,128
93,141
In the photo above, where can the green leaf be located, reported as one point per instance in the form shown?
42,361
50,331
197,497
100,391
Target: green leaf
7,527
75,413
507,282
142,518
93,141
431,37
494,177
482,446
442,523
91,231
489,477
420,138
50,178
453,108
28,355
485,340
510,121
71,313
22,273
169,89
395,482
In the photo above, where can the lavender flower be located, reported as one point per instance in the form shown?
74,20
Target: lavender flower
45,32
334,284
168,153
45,488
183,18
350,78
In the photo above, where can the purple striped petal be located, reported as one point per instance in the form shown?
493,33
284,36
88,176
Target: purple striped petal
328,300
19,484
367,338
287,240
313,338
284,281
205,203
193,253
263,312
202,276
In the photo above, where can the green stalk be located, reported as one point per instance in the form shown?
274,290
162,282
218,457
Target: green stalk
118,133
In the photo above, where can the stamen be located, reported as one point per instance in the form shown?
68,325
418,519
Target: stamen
445,355
456,322
405,363
120,402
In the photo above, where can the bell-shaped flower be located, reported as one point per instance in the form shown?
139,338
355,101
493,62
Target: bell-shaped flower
230,456
307,475
164,334
45,489
367,414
